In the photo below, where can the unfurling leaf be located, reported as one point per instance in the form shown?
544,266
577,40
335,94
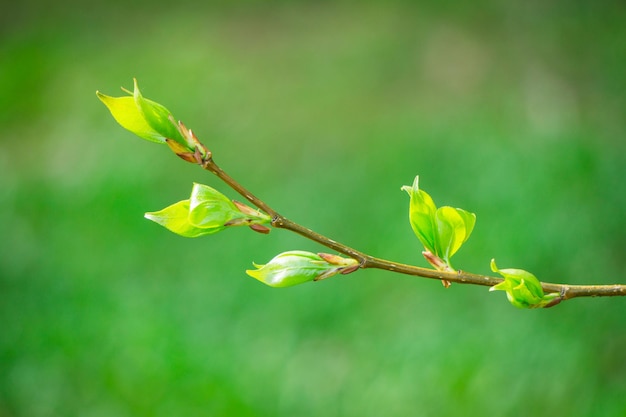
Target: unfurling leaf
296,267
207,211
176,219
441,230
523,289
152,121
143,117
421,215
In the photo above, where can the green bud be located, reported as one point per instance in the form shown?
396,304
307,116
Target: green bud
296,267
143,117
206,212
523,289
441,230
152,121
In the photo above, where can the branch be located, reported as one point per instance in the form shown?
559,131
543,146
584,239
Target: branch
441,230
367,261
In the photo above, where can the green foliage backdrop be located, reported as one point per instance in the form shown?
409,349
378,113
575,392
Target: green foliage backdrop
513,111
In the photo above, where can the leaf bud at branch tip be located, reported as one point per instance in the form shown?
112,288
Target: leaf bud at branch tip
152,121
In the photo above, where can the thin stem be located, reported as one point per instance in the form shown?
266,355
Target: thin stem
367,261
210,165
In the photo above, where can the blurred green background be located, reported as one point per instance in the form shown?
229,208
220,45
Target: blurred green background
513,110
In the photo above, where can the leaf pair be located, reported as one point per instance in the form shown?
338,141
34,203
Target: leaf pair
207,211
441,230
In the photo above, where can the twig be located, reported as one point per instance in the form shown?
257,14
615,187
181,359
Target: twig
367,261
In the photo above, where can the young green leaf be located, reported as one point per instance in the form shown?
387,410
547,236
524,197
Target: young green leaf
175,218
157,116
207,211
421,215
130,117
454,227
145,118
209,208
523,289
296,267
